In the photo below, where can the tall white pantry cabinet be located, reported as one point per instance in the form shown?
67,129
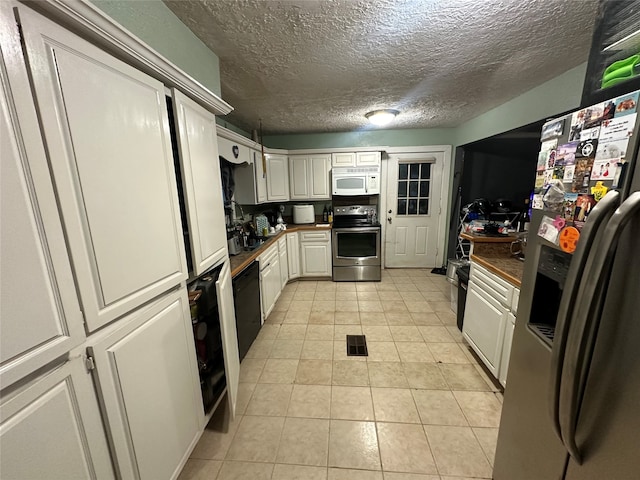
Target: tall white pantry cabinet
98,369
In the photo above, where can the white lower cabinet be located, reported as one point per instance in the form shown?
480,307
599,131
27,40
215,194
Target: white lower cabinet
488,320
270,280
284,261
293,255
483,328
506,348
52,429
146,373
315,253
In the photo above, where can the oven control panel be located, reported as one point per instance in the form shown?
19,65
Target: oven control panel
356,210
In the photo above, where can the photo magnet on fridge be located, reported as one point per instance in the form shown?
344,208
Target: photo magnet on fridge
581,175
568,173
604,169
626,104
547,230
569,207
613,149
584,204
551,129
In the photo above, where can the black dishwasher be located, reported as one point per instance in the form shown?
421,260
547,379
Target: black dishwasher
246,296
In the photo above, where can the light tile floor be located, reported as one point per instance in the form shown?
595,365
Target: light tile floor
419,407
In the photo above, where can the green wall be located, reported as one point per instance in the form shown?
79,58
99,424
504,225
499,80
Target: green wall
556,96
156,25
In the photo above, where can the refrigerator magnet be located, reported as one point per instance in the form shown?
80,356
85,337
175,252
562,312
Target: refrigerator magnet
584,204
569,207
537,202
626,104
604,169
613,149
551,129
547,230
568,240
598,191
568,173
617,128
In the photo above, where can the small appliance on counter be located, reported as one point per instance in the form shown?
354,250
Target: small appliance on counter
234,245
303,214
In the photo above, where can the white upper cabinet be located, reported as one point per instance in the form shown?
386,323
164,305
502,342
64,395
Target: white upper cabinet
346,159
52,429
40,317
107,132
250,180
356,159
261,178
368,159
277,178
234,152
201,183
148,379
309,177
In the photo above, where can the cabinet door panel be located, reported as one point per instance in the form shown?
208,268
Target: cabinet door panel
146,370
299,178
293,255
53,429
277,178
484,321
316,259
343,159
368,159
319,167
506,348
229,332
261,180
201,182
40,316
107,131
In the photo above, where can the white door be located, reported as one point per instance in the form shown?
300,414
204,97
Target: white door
201,182
107,133
148,380
53,429
40,316
414,183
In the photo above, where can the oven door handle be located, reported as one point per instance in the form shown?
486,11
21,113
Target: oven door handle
356,230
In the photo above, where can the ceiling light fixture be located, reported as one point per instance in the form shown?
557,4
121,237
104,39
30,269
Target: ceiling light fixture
382,117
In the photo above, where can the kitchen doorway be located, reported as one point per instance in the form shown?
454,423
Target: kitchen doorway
414,206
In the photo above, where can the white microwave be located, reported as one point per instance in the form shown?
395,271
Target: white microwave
355,180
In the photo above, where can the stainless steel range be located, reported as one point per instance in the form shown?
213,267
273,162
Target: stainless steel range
356,244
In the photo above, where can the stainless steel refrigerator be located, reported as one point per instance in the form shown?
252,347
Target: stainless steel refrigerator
572,402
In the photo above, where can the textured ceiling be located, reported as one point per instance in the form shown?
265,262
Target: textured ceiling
320,65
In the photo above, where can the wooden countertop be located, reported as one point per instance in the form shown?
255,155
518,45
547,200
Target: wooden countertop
478,238
243,260
509,268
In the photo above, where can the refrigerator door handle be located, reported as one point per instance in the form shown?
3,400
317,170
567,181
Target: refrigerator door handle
599,215
587,320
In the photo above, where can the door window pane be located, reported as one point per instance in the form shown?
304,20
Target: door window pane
413,188
402,189
402,206
424,189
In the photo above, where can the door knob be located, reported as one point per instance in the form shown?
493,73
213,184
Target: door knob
389,219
